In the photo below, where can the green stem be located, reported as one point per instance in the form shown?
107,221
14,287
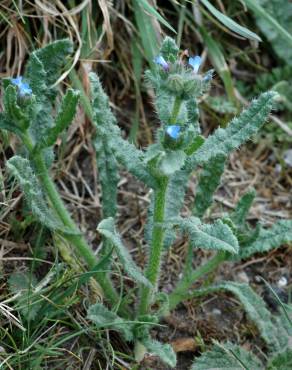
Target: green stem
77,240
181,291
153,269
175,110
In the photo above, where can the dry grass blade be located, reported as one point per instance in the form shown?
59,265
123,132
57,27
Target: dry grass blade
106,26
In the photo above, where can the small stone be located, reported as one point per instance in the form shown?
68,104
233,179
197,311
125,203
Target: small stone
216,312
257,279
242,277
282,282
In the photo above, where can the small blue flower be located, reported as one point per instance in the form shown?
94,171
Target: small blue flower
173,131
23,87
195,63
161,61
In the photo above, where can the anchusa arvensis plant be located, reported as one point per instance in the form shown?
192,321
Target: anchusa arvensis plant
164,167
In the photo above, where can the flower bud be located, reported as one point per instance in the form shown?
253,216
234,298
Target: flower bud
175,83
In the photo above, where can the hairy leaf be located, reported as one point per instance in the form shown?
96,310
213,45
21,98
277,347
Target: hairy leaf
127,154
208,182
53,57
218,236
164,351
108,177
239,215
274,18
193,115
21,169
172,162
43,69
63,120
37,76
227,356
240,129
273,237
282,361
256,309
104,318
107,228
7,124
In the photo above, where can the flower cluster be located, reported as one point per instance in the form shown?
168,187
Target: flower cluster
194,62
183,81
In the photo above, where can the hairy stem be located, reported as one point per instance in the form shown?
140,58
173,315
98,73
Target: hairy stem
175,110
82,247
181,292
153,269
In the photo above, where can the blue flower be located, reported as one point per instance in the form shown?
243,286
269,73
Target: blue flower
173,131
195,63
23,87
161,61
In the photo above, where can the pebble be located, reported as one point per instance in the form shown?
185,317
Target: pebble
282,282
242,277
216,312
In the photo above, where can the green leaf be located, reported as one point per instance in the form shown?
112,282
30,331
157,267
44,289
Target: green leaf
169,50
209,180
256,310
164,351
64,118
21,169
239,130
274,18
108,176
53,57
42,71
104,318
7,124
127,154
229,23
162,301
282,361
22,284
151,10
277,235
104,120
107,228
227,356
147,31
36,75
171,162
242,208
12,109
217,236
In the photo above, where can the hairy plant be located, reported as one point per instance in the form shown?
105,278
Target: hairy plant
165,167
